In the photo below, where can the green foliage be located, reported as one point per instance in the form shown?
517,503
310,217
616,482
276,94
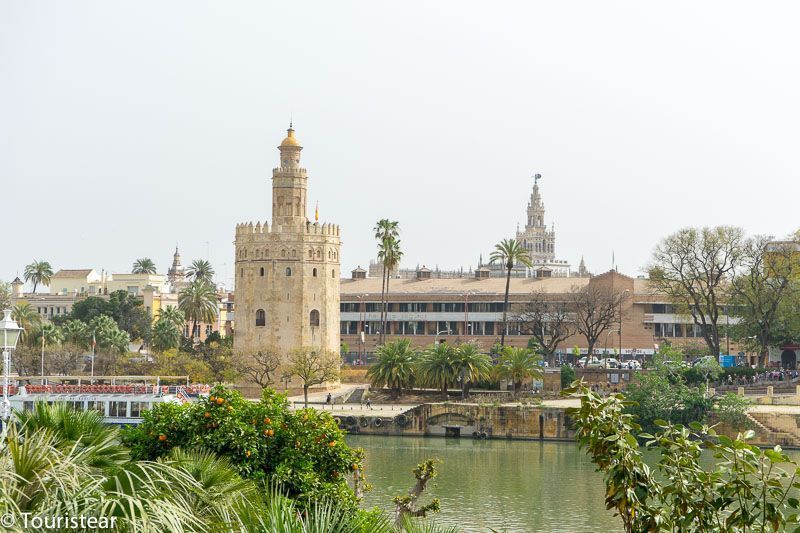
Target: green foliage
659,395
436,367
166,336
508,253
201,271
109,338
125,309
732,410
145,265
5,295
27,318
303,450
407,505
395,363
567,376
38,272
198,301
519,364
746,490
471,365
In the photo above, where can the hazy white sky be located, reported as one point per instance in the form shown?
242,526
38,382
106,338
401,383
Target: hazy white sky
128,127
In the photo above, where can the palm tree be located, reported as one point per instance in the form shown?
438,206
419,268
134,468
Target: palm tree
394,366
38,272
436,367
471,365
201,270
76,333
385,229
198,301
145,265
49,333
509,252
27,317
172,314
519,364
166,336
391,260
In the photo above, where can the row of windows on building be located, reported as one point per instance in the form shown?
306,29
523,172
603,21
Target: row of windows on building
677,330
472,328
427,307
312,254
262,272
261,318
197,329
118,409
51,311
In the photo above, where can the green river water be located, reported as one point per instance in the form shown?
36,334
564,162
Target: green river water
499,485
493,484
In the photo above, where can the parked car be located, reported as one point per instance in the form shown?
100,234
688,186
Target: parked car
632,364
582,362
610,362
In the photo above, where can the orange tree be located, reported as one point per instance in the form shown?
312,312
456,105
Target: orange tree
303,451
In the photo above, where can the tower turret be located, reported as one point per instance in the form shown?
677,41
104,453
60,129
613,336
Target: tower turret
289,182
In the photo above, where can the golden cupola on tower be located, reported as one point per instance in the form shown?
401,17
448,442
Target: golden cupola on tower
290,139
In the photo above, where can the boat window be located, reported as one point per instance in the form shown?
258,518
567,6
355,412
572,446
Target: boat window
137,408
96,405
118,409
27,406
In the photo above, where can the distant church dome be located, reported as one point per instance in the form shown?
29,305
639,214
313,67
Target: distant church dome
290,139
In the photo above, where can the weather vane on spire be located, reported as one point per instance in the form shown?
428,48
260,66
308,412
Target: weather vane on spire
536,178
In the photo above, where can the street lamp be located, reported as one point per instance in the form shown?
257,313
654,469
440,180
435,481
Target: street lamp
436,338
11,332
605,348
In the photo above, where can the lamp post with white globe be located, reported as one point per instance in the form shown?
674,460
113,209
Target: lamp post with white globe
9,334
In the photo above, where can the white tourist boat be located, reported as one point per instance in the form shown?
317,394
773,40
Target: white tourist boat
121,400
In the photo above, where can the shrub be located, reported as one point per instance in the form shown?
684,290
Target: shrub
567,376
302,450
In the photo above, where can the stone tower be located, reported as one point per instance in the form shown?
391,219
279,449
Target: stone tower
540,242
287,272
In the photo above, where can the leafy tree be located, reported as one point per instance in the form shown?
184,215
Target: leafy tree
596,308
130,315
732,409
145,265
548,321
394,366
770,275
27,318
745,490
166,336
261,366
177,363
386,232
470,365
508,252
694,268
302,450
107,335
664,395
436,367
201,270
198,301
567,376
314,366
517,365
5,295
38,272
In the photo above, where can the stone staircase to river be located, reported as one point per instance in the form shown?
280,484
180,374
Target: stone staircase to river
776,429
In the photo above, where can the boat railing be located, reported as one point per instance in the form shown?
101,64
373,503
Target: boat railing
158,390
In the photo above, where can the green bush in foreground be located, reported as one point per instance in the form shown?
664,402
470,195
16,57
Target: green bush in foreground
747,489
304,451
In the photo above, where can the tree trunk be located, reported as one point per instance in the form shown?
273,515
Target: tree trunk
194,328
517,388
444,391
386,308
505,308
589,353
305,394
34,286
383,296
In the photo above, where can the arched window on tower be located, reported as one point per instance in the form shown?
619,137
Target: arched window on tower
314,318
314,272
333,274
261,271
261,318
288,271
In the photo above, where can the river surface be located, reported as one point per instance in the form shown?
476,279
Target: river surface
492,484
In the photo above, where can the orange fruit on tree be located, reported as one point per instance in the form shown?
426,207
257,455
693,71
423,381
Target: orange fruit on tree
247,453
211,398
162,437
207,414
267,420
332,443
220,401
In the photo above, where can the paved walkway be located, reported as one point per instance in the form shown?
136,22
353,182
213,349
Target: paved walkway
789,409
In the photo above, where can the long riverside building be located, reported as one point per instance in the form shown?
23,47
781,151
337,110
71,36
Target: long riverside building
426,309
